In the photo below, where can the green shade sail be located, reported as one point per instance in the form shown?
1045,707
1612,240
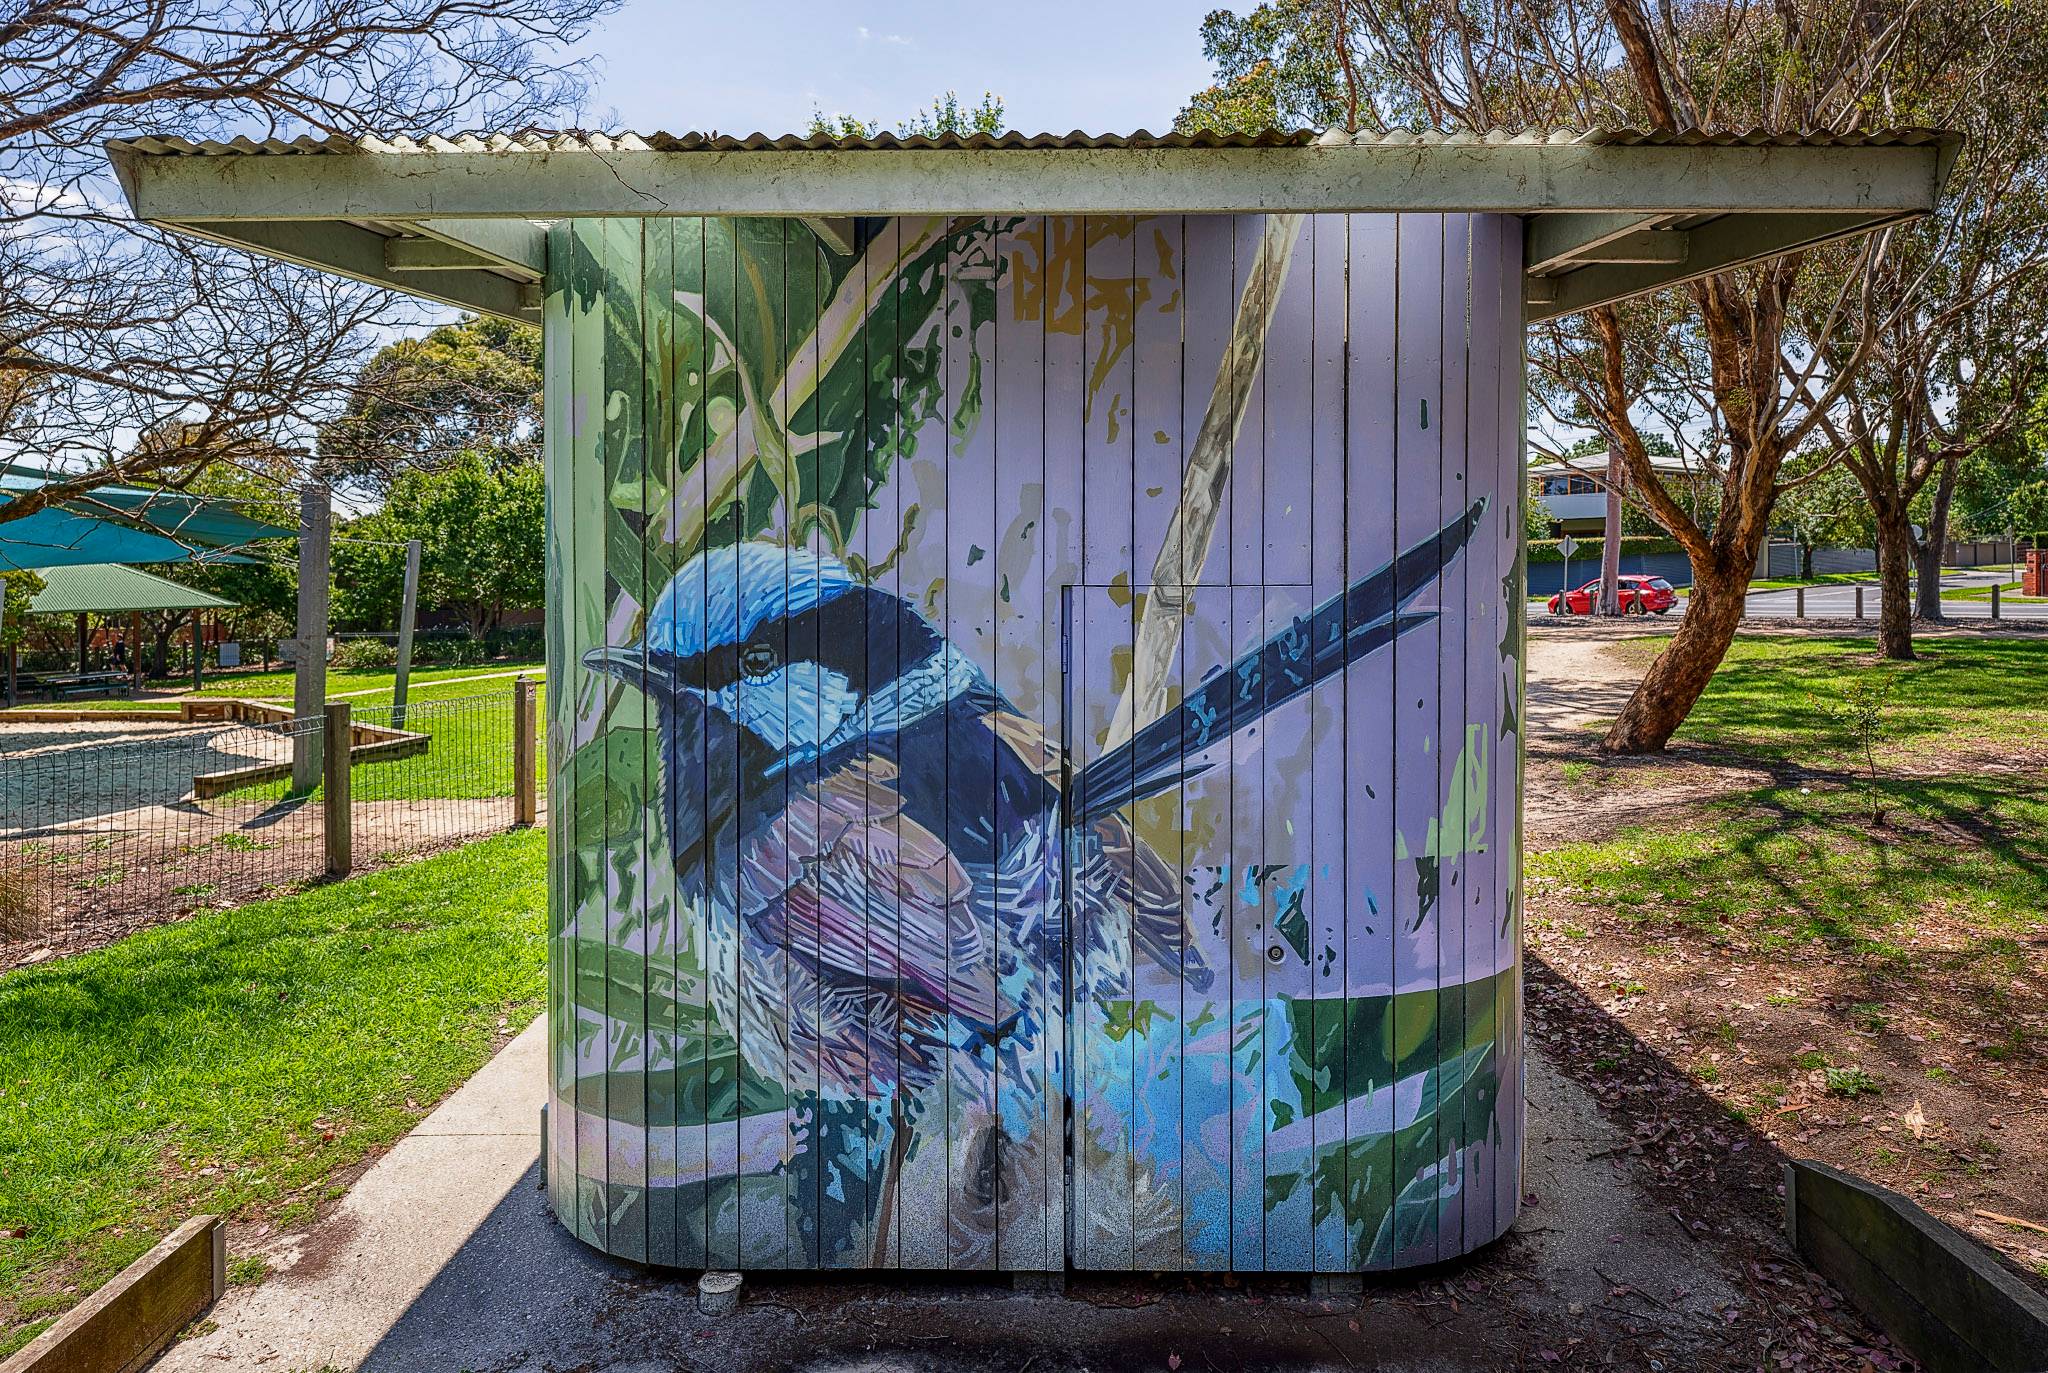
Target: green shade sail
109,588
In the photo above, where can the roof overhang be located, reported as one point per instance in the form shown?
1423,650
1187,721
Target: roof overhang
1610,213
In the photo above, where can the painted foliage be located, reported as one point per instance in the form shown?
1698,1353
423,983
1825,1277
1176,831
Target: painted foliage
1019,666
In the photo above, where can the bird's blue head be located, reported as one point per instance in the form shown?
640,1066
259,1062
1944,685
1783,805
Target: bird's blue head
785,644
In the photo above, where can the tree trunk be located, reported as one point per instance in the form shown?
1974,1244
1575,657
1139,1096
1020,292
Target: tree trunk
1610,544
1936,543
1894,575
1682,671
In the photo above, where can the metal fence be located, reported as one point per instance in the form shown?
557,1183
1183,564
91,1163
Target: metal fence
107,827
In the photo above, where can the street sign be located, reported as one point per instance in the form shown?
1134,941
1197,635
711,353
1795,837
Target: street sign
1567,546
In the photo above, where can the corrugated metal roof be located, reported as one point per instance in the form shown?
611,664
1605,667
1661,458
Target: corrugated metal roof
546,141
110,588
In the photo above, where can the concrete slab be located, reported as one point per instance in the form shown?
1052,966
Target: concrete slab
445,1256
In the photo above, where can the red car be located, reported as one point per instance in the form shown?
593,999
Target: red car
1638,594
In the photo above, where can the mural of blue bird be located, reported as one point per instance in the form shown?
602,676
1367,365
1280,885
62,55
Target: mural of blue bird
812,732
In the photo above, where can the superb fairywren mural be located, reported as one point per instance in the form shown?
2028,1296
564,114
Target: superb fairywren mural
898,863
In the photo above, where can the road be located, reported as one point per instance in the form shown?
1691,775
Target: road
1838,602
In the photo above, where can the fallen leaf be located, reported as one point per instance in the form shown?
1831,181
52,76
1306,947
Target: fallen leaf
1915,1120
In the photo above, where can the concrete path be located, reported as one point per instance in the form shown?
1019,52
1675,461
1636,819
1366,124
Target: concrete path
338,1289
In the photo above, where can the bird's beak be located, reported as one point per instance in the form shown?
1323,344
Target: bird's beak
625,663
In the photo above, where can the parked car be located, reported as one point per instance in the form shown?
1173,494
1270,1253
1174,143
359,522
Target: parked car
1638,594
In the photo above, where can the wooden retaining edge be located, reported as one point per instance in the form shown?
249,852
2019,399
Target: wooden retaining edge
1939,1293
368,744
122,1326
56,715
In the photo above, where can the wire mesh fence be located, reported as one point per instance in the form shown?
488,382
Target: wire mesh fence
107,827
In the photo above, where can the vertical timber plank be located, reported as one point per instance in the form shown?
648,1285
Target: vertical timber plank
624,902
1205,1069
1027,679
1452,831
1373,268
727,1085
588,267
1417,667
1325,1175
558,381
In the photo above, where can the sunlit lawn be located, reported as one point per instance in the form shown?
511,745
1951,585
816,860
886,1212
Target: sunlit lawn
234,1062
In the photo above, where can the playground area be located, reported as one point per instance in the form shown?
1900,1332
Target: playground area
119,820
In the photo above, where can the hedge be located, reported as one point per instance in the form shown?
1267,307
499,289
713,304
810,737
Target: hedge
1545,550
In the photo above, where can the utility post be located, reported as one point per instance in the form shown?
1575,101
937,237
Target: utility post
1610,545
309,667
407,610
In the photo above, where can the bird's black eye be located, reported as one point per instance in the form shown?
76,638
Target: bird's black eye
757,660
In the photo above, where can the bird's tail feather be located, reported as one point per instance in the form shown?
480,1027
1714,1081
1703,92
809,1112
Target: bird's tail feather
1365,617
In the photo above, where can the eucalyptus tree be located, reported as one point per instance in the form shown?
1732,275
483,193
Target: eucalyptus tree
109,329
1958,305
1745,365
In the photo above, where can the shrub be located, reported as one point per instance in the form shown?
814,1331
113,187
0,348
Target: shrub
363,655
1545,551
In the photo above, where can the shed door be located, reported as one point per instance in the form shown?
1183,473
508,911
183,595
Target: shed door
1191,933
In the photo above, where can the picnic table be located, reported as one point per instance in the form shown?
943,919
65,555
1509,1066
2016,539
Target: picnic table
66,684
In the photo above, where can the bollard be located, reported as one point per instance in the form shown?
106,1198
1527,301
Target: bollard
718,1293
525,792
335,814
1994,600
1859,602
1799,603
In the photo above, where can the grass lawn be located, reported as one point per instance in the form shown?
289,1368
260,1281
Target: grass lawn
2009,591
428,684
234,1062
1772,695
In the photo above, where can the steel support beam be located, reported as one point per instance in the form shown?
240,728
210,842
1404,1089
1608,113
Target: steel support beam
352,252
1727,242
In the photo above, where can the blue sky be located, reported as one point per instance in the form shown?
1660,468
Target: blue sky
1107,66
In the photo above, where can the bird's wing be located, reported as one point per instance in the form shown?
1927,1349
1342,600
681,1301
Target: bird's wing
1125,870
845,880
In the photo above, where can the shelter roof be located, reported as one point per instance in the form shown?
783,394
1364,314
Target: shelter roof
109,588
1610,213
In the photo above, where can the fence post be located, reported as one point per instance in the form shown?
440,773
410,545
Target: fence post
525,794
1799,603
1859,600
336,814
1994,600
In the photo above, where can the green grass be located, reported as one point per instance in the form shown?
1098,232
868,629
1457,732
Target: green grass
427,683
233,1062
1772,694
1821,579
2008,591
1787,868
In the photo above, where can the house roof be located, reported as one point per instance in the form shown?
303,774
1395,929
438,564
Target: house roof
110,588
1610,212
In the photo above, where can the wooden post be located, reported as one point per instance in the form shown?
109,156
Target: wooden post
84,639
335,813
1994,606
407,609
198,650
13,675
1859,601
525,794
309,668
1799,603
135,647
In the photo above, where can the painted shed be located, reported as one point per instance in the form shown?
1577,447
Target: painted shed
1035,628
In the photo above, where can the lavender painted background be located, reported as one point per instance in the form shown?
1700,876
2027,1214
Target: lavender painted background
1281,988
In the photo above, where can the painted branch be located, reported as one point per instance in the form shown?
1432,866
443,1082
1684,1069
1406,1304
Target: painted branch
1188,538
